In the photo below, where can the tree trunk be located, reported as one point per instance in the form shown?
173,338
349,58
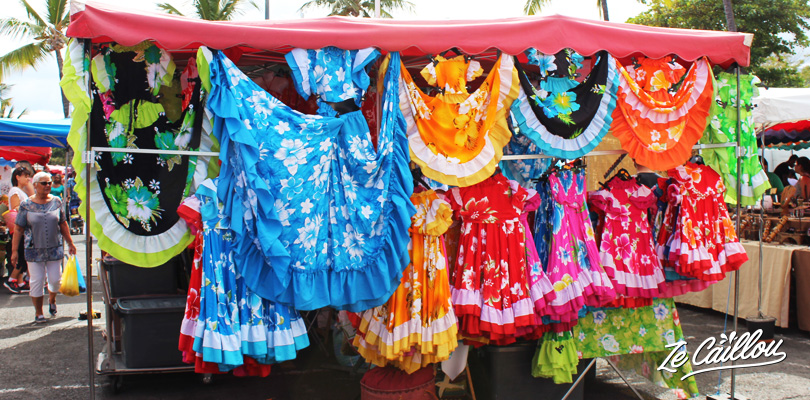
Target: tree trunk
603,4
65,102
728,9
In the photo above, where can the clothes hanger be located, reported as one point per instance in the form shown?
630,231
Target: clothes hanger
418,178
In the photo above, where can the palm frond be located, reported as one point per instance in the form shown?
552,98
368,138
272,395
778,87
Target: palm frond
29,55
16,29
33,14
168,8
56,11
534,7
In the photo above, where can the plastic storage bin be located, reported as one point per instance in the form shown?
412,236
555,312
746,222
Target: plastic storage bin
150,326
505,372
128,280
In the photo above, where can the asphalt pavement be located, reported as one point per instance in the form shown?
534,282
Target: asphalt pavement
50,361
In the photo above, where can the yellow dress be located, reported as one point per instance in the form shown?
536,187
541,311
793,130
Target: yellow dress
456,137
417,326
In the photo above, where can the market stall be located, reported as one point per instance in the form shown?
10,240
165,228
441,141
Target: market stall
146,153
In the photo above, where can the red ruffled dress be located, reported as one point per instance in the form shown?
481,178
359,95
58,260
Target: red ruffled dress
490,289
627,250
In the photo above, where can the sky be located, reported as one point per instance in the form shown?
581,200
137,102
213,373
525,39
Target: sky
37,90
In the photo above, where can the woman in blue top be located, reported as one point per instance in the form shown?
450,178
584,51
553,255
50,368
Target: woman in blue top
40,221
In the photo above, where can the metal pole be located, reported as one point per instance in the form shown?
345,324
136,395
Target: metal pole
266,9
739,194
579,378
88,242
626,382
376,8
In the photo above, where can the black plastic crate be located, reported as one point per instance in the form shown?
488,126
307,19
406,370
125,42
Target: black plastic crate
127,280
505,372
150,328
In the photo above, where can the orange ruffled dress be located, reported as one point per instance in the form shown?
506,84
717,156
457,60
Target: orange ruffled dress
456,137
417,326
654,125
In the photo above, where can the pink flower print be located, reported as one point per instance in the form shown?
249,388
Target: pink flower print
623,247
636,349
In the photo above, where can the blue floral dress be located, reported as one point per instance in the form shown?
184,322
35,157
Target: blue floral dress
321,218
236,321
334,75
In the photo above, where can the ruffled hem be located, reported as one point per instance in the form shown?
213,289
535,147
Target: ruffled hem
142,251
679,287
636,285
556,358
267,271
694,122
450,171
557,146
542,293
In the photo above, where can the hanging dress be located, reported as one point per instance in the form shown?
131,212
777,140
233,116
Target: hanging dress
236,322
723,128
563,117
417,326
573,263
133,196
455,137
655,125
320,216
709,247
542,293
490,284
627,250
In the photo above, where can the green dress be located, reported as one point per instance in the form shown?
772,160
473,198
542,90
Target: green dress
723,129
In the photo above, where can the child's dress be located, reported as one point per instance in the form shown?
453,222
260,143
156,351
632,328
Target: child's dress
490,288
627,251
417,326
542,293
573,260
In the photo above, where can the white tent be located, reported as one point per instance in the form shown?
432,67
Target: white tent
779,105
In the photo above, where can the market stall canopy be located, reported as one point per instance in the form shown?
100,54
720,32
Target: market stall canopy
775,106
782,117
29,133
34,155
107,23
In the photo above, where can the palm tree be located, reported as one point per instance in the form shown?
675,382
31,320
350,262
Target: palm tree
212,10
47,34
533,7
6,108
358,8
728,10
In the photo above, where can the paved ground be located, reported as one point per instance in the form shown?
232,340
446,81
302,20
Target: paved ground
50,361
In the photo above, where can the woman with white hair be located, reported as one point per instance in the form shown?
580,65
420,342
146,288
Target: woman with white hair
40,221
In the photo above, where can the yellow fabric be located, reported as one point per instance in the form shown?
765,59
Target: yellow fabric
417,326
451,76
776,262
460,142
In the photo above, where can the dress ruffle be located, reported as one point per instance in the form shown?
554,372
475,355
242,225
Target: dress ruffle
259,215
576,145
658,129
454,153
114,238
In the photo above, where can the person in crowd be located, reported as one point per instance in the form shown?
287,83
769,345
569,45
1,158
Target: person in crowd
802,168
20,179
646,176
785,170
772,177
40,221
57,188
28,188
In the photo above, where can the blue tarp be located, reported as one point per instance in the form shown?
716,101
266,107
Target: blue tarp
20,132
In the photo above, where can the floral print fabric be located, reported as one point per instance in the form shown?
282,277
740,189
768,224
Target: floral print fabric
723,129
656,124
627,251
417,326
705,244
320,216
490,286
457,139
564,117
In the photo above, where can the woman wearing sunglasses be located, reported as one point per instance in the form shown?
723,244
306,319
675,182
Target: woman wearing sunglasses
40,221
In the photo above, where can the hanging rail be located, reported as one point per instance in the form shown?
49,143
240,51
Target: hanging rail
509,157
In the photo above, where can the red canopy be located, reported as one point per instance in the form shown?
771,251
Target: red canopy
105,23
34,155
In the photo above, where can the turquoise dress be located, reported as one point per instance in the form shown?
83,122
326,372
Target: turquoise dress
235,321
320,216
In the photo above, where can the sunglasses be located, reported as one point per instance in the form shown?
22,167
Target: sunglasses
45,183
